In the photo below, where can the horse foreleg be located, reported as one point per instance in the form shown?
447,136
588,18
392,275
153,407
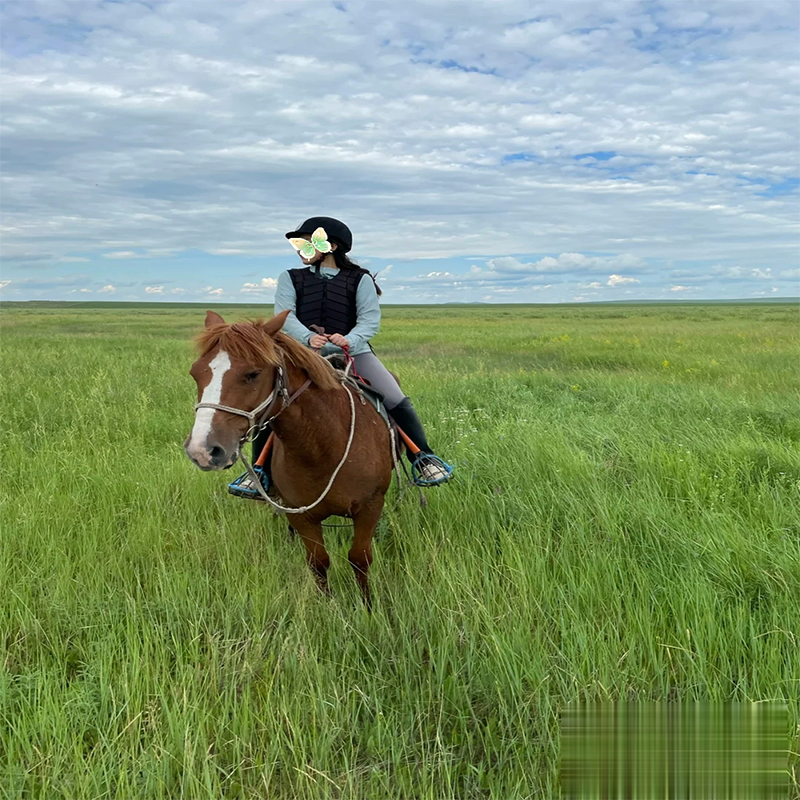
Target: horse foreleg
360,555
316,555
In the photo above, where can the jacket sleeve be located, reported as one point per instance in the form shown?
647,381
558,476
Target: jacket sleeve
286,298
368,314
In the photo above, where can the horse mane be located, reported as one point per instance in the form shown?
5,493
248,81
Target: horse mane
249,341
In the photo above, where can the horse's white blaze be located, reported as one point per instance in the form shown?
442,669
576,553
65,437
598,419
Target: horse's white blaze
197,446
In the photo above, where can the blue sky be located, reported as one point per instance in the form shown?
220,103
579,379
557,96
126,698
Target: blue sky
497,152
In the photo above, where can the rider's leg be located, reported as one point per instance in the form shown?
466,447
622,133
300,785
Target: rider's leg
400,407
243,485
405,415
430,468
402,411
369,367
259,442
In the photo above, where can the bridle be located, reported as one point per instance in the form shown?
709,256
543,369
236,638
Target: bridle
260,417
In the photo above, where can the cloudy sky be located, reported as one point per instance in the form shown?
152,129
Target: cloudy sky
497,151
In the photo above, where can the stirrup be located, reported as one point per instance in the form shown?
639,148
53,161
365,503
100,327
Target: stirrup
243,485
428,461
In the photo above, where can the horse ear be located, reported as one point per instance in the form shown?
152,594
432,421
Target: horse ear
212,318
272,326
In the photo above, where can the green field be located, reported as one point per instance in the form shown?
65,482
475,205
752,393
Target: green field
624,523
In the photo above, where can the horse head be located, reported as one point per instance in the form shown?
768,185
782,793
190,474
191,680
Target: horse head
237,368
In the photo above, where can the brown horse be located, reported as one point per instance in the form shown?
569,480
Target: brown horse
251,366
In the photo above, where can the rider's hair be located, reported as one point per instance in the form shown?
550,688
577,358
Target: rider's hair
343,262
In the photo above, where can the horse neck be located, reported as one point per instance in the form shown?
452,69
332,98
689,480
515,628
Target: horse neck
306,423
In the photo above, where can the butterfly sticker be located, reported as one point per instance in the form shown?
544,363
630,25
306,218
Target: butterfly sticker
319,244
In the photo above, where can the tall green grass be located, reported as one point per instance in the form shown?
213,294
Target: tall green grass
624,523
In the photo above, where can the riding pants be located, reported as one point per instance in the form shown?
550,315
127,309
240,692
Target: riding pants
369,367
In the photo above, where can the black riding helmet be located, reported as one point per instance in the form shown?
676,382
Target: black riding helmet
337,231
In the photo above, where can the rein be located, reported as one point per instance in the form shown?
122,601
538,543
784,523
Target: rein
303,509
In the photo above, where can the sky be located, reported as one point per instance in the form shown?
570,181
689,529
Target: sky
504,151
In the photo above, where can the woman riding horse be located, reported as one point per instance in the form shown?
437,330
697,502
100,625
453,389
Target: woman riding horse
333,304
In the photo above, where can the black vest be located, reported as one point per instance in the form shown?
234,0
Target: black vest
327,302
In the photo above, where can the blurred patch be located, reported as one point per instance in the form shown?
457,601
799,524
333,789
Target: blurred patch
675,751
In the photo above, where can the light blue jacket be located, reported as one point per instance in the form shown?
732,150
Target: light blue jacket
368,313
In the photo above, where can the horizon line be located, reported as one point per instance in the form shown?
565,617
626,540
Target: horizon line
668,300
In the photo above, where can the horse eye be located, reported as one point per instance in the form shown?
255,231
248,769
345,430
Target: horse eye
251,376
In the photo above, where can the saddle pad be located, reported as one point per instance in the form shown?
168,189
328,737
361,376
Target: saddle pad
375,397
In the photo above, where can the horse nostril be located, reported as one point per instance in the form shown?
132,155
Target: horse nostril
216,453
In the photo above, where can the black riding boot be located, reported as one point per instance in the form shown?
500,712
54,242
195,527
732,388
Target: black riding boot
426,467
405,415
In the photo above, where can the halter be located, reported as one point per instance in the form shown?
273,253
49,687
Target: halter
280,390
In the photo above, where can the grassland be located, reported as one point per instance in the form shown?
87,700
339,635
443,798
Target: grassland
625,523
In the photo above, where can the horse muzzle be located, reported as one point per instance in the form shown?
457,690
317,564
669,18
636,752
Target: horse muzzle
210,456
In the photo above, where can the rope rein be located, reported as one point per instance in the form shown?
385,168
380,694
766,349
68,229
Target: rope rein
345,376
302,509
348,383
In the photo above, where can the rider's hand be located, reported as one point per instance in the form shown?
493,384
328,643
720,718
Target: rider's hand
338,340
317,341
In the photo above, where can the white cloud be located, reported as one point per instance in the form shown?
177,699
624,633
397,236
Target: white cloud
566,262
509,264
761,273
790,273
3,284
264,285
678,288
216,291
727,272
513,274
154,289
177,290
86,291
108,289
169,131
619,280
